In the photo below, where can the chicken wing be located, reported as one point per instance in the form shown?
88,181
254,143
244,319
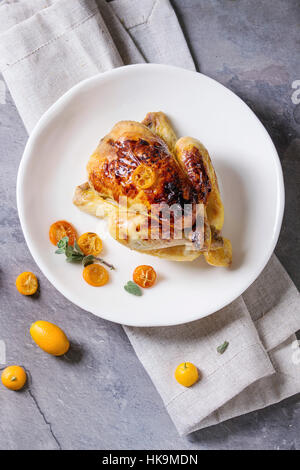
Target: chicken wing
161,126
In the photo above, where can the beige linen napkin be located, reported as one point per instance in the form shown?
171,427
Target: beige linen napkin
48,46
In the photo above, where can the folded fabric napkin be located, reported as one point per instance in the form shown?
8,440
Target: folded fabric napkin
46,47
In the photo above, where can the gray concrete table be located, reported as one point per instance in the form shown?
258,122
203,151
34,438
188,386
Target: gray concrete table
99,396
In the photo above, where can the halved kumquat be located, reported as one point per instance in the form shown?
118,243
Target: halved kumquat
90,244
95,275
27,283
144,276
61,229
143,177
221,256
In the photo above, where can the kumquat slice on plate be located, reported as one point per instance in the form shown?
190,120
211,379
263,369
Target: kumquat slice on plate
90,244
144,276
95,275
61,229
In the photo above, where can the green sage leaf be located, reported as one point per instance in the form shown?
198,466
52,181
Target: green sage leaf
88,260
63,243
133,288
74,259
222,348
69,251
78,248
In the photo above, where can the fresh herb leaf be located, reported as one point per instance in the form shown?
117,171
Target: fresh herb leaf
75,255
222,348
133,288
69,251
78,248
63,243
88,260
73,259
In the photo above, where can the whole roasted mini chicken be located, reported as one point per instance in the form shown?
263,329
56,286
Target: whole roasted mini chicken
159,194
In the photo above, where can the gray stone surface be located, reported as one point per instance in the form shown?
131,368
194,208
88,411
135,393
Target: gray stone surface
99,396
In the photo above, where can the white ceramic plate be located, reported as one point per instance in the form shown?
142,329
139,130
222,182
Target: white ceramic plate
242,152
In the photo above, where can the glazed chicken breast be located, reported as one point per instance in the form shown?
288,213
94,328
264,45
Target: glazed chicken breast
159,194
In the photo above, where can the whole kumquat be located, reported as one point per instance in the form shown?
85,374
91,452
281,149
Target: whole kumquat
14,377
61,229
50,338
144,276
27,283
186,374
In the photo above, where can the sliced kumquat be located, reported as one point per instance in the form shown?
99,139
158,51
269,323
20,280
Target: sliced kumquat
144,276
221,256
90,244
27,283
61,229
95,275
143,177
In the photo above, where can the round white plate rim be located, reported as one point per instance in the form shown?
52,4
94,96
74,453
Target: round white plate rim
54,110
